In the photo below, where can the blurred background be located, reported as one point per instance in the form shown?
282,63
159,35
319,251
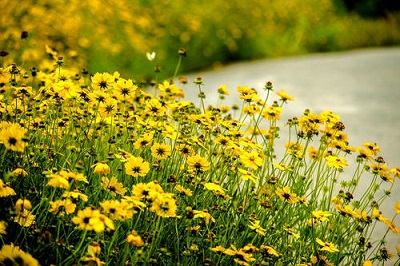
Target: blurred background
117,34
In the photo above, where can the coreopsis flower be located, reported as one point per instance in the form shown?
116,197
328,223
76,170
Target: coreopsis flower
160,151
117,210
284,96
222,90
66,89
321,215
251,109
147,191
134,239
62,207
372,147
124,89
24,218
155,108
108,108
203,214
218,249
251,160
197,164
5,190
397,207
164,205
334,161
22,204
102,81
13,136
269,251
3,227
286,195
101,168
240,256
272,113
91,219
184,191
247,94
136,166
75,195
69,175
113,186
143,141
255,226
19,172
395,172
247,175
13,255
326,246
56,180
367,263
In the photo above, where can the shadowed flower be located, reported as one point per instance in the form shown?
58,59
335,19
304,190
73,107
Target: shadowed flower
13,255
134,239
13,136
5,190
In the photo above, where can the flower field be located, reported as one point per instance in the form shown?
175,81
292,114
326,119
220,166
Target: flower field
100,170
103,168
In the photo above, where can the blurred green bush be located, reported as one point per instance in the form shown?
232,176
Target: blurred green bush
115,34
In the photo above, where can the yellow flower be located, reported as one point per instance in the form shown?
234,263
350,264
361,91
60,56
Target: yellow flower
101,168
203,214
397,207
267,250
24,218
160,151
222,90
102,81
13,136
91,219
251,159
164,205
113,186
143,141
3,227
334,161
13,255
326,246
284,96
286,195
5,190
183,190
134,239
367,263
255,226
198,164
62,207
137,166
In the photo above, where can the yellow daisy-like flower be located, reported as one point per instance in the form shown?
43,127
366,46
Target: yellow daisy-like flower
62,207
134,239
326,246
184,191
13,137
101,168
137,166
102,81
284,96
286,195
255,226
3,227
113,186
334,161
251,159
164,205
198,164
5,190
160,151
13,255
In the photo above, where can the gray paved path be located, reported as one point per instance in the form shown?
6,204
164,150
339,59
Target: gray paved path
362,86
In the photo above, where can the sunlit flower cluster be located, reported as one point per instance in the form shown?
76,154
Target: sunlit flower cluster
98,169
